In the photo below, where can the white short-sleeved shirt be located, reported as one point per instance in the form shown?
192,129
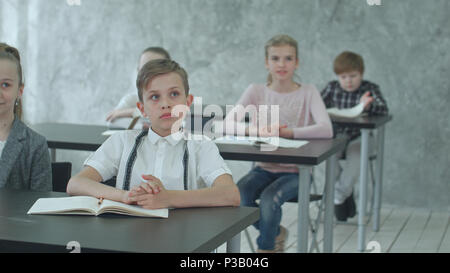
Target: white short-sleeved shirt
2,145
129,101
160,157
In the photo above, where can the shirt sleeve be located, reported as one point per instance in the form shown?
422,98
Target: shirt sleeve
322,127
106,159
378,105
248,98
234,121
128,101
210,164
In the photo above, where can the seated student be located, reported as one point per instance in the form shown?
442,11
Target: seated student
349,90
172,168
127,105
24,158
302,114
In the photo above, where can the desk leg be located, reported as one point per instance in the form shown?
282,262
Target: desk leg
363,189
379,179
234,244
303,208
53,155
329,204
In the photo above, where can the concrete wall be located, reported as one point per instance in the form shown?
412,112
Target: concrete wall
80,60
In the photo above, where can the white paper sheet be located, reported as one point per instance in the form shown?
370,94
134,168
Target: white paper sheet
347,113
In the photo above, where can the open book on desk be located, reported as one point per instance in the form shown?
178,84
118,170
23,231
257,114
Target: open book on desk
348,112
258,141
87,205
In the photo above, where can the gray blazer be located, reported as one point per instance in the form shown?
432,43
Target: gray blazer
25,160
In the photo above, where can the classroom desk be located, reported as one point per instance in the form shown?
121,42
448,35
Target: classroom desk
305,157
184,231
87,137
70,136
81,137
367,124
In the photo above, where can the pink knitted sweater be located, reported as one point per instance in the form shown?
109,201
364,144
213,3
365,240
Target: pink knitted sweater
302,110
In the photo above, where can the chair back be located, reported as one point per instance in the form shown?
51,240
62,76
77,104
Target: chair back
61,173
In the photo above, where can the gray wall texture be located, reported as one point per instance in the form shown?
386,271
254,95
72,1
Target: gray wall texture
80,59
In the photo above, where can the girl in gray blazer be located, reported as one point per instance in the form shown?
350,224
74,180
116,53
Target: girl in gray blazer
24,158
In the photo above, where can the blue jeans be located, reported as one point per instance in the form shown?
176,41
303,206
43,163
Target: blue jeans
272,190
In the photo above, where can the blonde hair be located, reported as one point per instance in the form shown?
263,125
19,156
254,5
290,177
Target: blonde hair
10,53
280,40
157,50
348,61
159,67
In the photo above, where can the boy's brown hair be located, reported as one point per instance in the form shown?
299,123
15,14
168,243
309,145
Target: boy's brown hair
159,67
348,61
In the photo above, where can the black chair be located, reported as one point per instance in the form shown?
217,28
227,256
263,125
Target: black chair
111,182
61,173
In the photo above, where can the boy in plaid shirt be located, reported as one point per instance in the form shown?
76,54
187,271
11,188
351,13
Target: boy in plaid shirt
348,91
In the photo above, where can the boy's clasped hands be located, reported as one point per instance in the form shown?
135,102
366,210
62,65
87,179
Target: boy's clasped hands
149,195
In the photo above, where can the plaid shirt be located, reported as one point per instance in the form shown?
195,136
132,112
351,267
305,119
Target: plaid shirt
334,96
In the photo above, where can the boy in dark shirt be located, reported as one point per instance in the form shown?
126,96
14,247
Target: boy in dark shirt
348,91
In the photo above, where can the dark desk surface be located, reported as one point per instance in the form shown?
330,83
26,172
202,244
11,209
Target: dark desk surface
89,138
72,136
313,153
186,230
364,122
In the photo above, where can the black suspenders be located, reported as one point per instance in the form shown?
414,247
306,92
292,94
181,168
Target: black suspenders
132,159
185,166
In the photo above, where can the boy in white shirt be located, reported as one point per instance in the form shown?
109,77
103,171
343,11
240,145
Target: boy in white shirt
158,168
126,111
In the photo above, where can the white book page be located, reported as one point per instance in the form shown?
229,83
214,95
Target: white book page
347,113
250,141
291,143
76,204
241,140
122,208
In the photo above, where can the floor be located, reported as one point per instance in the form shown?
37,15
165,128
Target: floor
402,230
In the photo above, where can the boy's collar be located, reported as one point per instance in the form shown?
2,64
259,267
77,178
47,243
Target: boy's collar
173,139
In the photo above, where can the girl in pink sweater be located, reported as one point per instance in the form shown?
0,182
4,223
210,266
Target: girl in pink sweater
302,115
